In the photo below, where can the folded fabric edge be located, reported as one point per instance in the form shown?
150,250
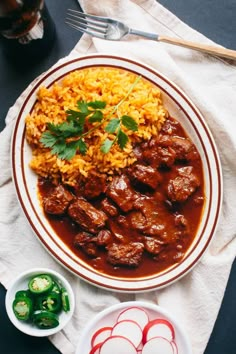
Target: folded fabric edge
62,343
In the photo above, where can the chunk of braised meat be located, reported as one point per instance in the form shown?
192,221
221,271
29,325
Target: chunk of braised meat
149,225
104,237
166,149
183,147
83,237
146,175
137,220
91,188
125,254
86,242
138,150
94,186
90,249
157,229
119,229
57,201
86,215
183,185
109,208
121,192
146,205
156,155
170,127
166,156
152,245
152,222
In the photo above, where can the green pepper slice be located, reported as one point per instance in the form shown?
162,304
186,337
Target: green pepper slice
21,293
56,287
22,307
50,302
24,293
65,300
45,319
40,284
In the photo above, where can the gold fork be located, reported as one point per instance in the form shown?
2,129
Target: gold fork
107,28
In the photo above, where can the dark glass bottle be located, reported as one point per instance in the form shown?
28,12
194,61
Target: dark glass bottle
26,28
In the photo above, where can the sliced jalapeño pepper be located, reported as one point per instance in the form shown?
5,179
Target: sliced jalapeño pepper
45,319
42,302
22,307
40,284
23,293
56,287
65,300
50,302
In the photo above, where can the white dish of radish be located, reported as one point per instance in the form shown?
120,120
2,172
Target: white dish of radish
134,327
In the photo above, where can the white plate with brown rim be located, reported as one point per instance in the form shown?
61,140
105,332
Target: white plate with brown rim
183,109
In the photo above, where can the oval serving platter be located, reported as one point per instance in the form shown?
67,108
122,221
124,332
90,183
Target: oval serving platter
180,107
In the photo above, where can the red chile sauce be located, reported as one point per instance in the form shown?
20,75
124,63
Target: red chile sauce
171,254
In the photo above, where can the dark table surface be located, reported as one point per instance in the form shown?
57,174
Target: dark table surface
215,19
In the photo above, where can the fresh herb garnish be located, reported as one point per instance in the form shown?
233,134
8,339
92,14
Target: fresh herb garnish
66,138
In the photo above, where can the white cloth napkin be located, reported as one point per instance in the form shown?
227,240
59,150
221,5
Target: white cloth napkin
211,83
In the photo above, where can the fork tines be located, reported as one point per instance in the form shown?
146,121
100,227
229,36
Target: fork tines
90,24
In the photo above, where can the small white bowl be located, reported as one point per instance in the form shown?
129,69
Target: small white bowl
109,316
21,283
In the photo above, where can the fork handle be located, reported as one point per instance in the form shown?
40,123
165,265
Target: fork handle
219,51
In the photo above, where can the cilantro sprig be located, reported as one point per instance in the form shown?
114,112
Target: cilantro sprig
66,138
115,127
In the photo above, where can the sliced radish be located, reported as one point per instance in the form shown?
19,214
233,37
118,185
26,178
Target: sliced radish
130,330
158,345
140,347
136,314
175,348
117,345
158,328
100,335
95,349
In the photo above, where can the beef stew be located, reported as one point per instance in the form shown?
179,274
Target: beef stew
144,220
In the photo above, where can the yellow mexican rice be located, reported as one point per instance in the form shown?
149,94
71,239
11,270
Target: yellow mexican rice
144,105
